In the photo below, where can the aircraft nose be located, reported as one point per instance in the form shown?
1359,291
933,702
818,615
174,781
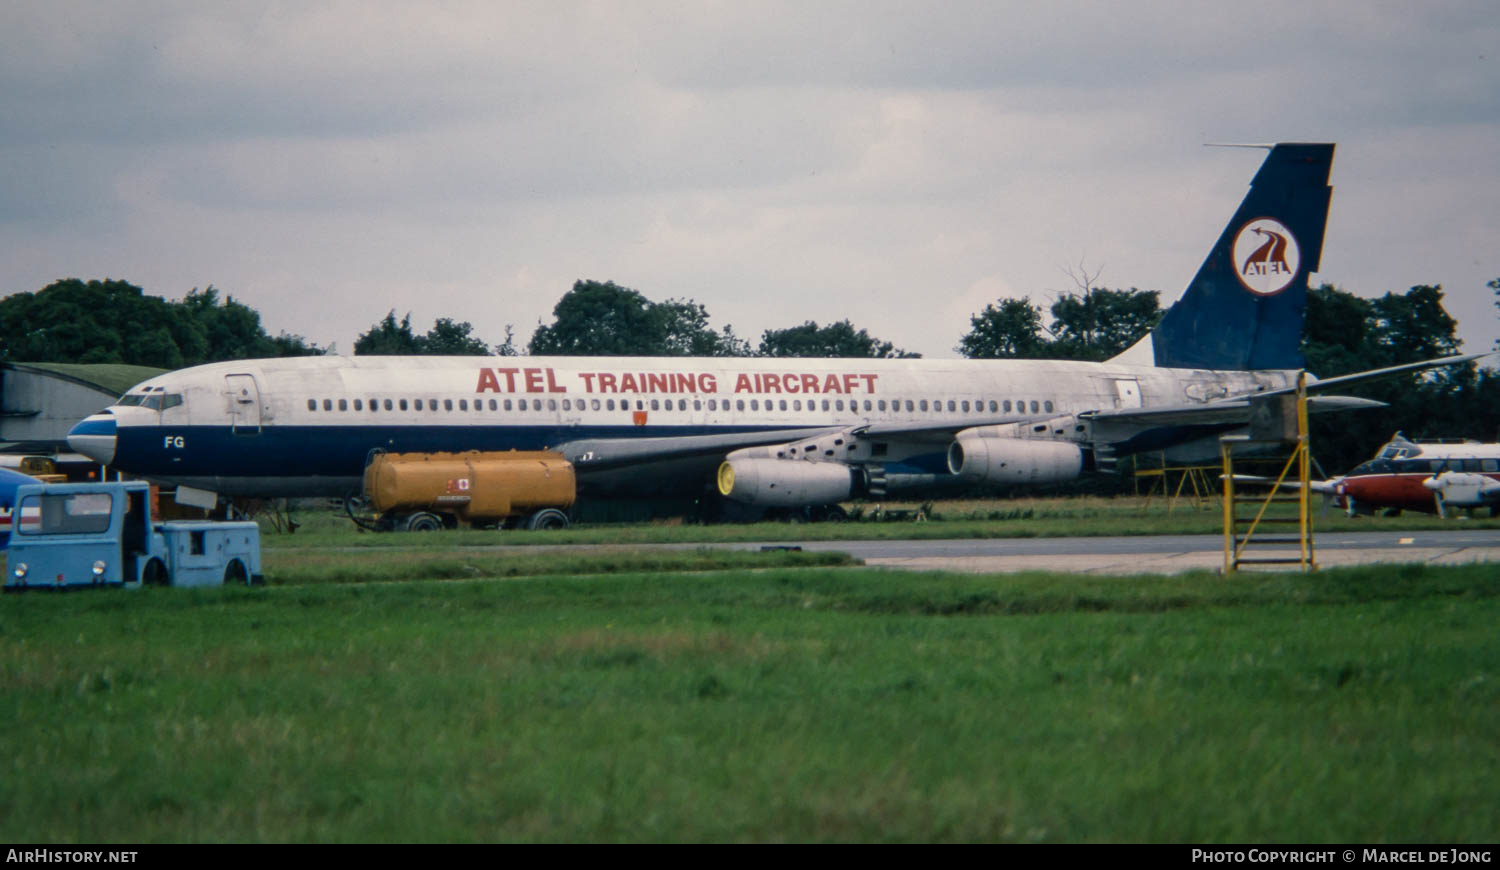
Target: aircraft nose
94,437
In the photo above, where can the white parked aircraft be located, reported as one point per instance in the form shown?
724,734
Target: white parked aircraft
767,432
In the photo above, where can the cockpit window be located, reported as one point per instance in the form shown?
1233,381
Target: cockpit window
130,400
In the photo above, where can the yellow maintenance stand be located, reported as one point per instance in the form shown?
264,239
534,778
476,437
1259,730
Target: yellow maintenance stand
1275,420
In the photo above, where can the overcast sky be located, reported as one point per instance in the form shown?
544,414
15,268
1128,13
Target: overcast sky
899,164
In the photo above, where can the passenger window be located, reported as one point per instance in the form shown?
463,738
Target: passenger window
358,404
697,404
1048,406
447,404
374,405
655,405
552,404
965,407
908,404
344,404
388,404
1006,406
923,404
328,404
1034,408
609,404
739,404
403,404
521,404
594,403
825,404
312,404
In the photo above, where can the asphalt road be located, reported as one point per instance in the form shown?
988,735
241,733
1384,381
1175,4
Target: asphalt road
1159,553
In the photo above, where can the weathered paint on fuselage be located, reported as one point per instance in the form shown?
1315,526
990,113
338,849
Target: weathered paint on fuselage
304,426
1394,479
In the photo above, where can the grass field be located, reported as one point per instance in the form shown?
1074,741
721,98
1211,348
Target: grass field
959,518
776,703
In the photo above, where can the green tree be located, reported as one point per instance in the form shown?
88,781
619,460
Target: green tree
387,338
1096,324
1495,288
116,322
604,319
1347,333
1100,323
1011,330
452,338
839,339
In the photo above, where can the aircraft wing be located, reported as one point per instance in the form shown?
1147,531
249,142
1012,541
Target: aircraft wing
1223,411
939,432
1323,487
603,454
1356,377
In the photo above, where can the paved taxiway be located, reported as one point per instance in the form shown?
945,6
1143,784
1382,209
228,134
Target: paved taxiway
1158,554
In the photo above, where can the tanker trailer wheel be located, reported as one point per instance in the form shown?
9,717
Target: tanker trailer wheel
234,574
424,522
155,574
550,518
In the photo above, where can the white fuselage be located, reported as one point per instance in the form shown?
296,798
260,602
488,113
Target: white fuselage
305,425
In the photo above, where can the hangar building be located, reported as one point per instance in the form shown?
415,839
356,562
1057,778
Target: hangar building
40,402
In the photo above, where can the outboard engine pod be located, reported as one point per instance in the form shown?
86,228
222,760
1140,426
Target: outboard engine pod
1014,460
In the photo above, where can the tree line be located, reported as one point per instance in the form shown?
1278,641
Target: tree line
116,322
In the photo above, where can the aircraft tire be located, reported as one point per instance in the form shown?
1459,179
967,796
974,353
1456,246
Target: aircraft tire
424,522
548,519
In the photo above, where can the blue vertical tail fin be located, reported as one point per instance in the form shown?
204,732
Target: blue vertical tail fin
1244,308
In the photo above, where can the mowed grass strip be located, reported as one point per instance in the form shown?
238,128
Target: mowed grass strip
804,704
294,567
1089,516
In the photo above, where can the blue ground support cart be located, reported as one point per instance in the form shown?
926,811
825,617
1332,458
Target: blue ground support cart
72,535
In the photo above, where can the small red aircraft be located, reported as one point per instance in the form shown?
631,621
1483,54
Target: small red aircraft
1421,475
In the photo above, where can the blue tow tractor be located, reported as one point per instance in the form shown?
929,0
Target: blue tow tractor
71,535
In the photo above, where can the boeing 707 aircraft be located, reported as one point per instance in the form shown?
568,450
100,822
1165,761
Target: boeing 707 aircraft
766,433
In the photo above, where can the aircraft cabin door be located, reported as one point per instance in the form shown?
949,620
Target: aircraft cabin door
244,404
1127,393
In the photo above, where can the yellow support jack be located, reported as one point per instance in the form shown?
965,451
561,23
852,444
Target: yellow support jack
1269,425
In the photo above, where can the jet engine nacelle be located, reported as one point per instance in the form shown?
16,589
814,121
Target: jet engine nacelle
1013,460
785,482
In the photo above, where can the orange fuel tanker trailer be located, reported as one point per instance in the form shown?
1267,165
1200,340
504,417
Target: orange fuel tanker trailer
429,491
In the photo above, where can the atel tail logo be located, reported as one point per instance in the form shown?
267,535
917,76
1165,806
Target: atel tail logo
1266,256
